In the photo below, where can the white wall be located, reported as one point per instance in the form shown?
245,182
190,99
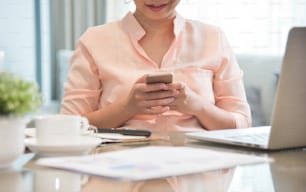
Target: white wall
17,38
116,9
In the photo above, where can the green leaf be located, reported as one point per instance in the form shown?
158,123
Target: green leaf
18,96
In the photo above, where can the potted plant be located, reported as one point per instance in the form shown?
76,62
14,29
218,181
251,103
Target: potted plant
18,98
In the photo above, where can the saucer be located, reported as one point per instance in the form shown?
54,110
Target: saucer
85,145
31,132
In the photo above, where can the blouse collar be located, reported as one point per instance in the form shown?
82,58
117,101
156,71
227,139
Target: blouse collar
135,30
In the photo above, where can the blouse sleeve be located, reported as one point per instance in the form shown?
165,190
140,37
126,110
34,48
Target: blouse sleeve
83,88
229,87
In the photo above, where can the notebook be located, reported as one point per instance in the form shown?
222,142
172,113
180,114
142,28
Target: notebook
288,122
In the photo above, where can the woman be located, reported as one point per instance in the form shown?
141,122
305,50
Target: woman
107,84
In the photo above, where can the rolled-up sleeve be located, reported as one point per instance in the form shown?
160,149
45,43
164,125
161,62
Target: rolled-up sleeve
83,88
229,88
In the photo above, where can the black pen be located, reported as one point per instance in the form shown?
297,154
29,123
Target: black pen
125,131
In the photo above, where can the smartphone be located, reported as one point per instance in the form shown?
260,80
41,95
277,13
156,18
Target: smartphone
159,78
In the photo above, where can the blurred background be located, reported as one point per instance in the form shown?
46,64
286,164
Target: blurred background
37,38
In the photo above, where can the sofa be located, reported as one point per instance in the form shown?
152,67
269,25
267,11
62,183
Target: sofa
260,79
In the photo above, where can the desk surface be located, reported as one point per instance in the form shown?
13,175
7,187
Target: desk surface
286,173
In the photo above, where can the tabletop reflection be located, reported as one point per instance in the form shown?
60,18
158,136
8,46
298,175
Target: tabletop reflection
287,172
11,181
55,180
217,181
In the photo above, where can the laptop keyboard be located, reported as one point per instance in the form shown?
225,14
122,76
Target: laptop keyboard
258,138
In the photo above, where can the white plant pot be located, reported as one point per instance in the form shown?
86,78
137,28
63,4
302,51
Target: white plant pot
11,140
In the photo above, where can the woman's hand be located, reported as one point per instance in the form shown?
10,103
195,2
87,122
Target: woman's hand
208,114
150,99
187,101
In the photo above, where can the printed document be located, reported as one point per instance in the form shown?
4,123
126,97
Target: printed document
151,162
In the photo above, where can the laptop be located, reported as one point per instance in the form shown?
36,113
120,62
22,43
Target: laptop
288,122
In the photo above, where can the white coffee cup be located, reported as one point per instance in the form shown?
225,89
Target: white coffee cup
60,129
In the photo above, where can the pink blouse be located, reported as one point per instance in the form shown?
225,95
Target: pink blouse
108,60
